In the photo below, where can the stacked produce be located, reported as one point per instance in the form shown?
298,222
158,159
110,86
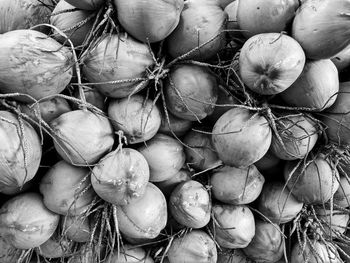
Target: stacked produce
174,131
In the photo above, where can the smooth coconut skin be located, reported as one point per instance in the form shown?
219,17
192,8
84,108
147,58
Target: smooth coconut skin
149,20
167,186
236,186
117,58
200,22
66,189
268,243
64,19
20,153
55,247
200,153
136,116
190,92
121,176
23,14
33,63
315,252
130,254
25,222
165,157
195,246
322,27
241,138
83,137
265,16
190,204
278,204
342,59
313,184
299,135
174,125
318,83
270,62
87,4
153,208
234,226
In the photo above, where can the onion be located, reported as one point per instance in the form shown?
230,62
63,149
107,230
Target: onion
117,58
334,222
72,22
298,134
130,254
149,21
337,117
313,183
200,154
319,84
190,204
66,189
165,156
143,220
190,92
315,251
277,203
174,125
342,59
87,4
261,16
322,27
25,222
234,226
20,151
23,14
34,64
76,228
241,138
270,62
121,176
342,196
83,137
232,256
137,117
200,22
55,247
167,186
267,244
236,186
195,246
8,253
47,110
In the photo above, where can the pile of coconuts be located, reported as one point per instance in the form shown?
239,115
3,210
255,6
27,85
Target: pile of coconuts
178,131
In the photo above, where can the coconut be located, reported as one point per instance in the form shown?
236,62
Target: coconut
174,125
168,186
87,4
130,254
76,228
55,247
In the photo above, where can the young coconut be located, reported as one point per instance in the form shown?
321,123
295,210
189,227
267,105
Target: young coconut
174,125
76,24
8,253
136,116
299,134
342,59
130,254
200,153
143,220
87,4
25,222
55,247
200,31
267,244
21,153
319,84
82,137
195,246
168,186
311,25
236,186
241,137
66,189
261,16
233,226
149,21
269,63
34,64
116,65
313,182
190,204
23,14
277,203
191,92
232,255
121,176
76,228
165,156
92,96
